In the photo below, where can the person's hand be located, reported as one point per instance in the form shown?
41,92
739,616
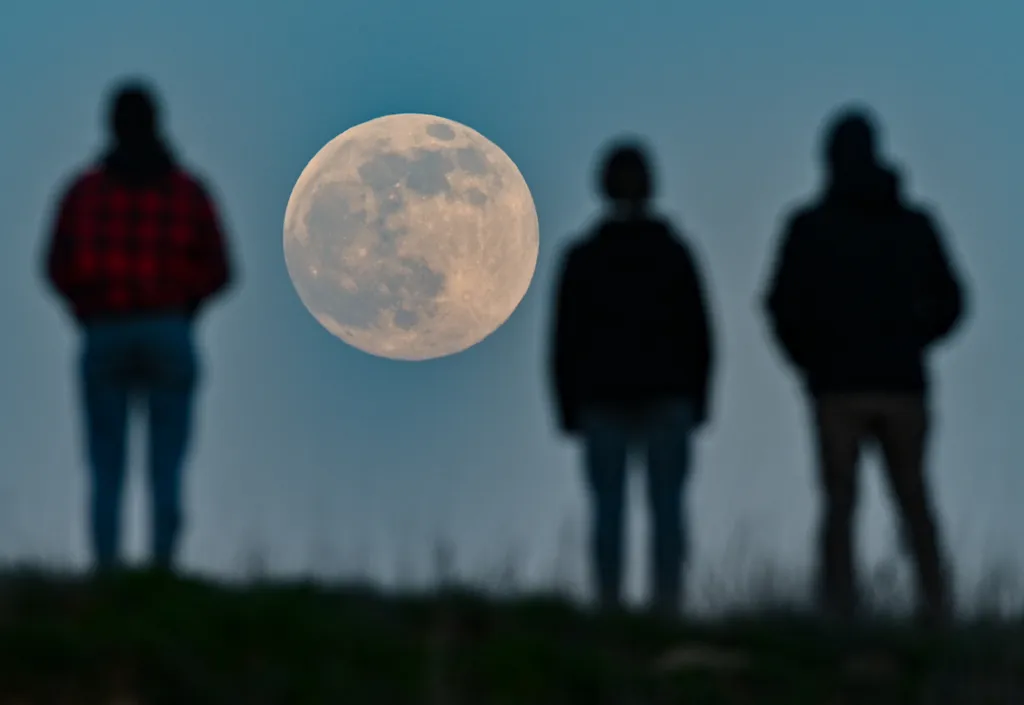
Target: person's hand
192,310
568,423
700,419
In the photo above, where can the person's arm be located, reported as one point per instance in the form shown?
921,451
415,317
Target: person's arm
565,341
787,293
58,259
701,334
213,269
944,301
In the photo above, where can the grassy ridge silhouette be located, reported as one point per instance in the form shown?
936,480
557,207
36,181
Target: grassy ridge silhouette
150,638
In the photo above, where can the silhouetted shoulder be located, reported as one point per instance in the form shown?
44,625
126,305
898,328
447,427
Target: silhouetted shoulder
922,214
583,242
189,181
88,177
799,221
576,248
678,239
669,229
196,189
84,180
803,213
78,187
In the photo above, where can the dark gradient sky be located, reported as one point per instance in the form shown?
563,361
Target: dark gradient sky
317,455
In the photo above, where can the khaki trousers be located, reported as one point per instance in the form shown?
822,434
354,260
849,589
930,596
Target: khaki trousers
899,424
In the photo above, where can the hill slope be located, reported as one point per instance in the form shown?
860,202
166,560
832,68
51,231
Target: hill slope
154,640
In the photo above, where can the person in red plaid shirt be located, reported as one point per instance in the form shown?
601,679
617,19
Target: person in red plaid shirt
136,251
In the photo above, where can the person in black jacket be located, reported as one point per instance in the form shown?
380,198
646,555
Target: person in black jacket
862,288
631,363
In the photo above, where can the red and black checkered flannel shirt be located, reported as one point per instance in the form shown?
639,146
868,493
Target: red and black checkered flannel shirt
117,250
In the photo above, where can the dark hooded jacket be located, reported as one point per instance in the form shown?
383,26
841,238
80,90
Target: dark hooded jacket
631,323
863,286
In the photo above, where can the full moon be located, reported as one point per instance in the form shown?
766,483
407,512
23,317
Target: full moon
411,237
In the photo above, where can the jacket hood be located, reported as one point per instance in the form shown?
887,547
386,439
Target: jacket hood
857,174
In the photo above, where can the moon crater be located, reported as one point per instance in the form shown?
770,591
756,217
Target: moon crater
411,237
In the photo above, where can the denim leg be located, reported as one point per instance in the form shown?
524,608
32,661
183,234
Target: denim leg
668,433
171,380
105,387
607,445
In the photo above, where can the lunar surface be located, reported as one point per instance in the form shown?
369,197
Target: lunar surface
411,237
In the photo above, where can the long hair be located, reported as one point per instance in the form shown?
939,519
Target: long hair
138,154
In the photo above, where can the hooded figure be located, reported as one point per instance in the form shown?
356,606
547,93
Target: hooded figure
862,285
861,289
856,175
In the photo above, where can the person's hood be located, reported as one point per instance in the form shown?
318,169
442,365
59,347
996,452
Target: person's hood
140,161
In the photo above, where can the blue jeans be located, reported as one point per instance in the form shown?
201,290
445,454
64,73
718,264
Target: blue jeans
153,361
663,433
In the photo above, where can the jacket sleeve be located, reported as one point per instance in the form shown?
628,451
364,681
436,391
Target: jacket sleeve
213,264
943,304
565,344
787,292
58,257
701,334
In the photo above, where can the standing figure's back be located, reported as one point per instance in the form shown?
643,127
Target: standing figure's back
631,365
136,251
862,288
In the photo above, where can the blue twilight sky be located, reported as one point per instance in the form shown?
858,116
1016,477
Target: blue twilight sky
321,457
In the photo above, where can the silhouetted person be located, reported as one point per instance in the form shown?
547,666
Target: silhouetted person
136,251
863,287
631,366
